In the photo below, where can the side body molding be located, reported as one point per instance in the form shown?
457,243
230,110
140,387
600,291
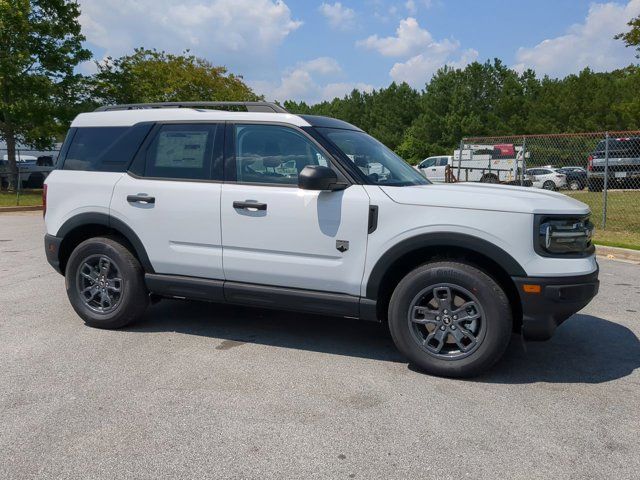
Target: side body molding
444,240
84,219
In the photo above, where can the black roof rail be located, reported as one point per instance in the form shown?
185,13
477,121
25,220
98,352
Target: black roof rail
267,107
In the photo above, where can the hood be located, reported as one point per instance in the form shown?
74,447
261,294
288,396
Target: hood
487,196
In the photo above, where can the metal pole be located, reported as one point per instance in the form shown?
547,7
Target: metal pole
524,160
460,157
18,182
606,178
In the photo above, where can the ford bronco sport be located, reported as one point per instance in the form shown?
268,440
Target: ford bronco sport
269,209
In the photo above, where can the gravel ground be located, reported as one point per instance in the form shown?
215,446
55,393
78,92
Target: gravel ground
202,390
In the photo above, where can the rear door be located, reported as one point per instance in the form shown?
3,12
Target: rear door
276,234
171,199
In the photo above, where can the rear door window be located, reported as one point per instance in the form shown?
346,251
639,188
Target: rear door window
181,151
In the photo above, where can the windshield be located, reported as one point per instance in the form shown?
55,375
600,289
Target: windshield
379,164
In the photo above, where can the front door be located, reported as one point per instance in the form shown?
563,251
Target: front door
279,235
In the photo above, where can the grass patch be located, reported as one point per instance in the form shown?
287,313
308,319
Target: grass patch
623,217
27,198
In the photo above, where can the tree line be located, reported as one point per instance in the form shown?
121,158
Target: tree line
487,99
41,46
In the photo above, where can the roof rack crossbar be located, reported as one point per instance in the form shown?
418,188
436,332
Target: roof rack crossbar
268,107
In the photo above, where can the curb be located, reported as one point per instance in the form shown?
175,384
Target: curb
616,253
31,208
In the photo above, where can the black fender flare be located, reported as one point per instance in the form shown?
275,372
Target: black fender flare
94,218
440,239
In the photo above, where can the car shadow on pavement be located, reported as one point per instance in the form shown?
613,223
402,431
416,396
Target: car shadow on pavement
585,349
236,325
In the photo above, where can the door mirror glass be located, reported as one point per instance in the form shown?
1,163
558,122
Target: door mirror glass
317,177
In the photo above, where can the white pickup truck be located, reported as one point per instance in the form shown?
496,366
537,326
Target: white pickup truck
502,163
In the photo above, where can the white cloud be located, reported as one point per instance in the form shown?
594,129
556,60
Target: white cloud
222,30
338,16
418,70
340,89
409,40
588,44
411,7
321,65
422,54
308,81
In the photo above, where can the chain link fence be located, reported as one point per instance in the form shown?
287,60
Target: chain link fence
599,169
23,187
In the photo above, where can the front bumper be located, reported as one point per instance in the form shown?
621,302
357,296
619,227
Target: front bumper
557,299
52,249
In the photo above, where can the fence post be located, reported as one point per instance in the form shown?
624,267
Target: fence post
524,160
460,157
606,179
18,182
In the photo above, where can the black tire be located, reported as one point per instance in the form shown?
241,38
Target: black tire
595,185
36,180
575,185
549,185
132,299
493,304
489,178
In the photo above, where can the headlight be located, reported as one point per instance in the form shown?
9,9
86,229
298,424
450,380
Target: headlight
562,235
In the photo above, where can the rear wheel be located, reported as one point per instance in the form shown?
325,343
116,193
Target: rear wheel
489,178
36,180
549,185
575,185
595,185
450,319
105,283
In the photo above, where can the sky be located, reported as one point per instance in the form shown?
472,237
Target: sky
314,50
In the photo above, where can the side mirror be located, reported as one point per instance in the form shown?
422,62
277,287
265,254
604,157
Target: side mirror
317,177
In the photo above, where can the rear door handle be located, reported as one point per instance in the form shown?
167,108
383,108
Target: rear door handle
250,205
141,198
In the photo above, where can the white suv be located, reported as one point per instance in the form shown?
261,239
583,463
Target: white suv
269,209
547,178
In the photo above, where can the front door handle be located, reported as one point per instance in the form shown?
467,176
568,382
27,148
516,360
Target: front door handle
250,205
140,198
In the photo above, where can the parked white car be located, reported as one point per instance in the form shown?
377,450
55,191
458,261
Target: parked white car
311,214
434,168
547,178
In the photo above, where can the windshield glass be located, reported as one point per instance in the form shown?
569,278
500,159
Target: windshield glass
379,164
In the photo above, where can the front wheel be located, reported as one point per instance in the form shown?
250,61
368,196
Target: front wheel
450,319
105,283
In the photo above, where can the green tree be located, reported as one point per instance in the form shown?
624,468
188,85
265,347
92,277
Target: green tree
40,45
157,76
632,37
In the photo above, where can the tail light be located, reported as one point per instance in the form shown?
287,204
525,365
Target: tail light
44,200
590,163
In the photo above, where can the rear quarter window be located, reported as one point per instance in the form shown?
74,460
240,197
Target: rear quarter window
105,149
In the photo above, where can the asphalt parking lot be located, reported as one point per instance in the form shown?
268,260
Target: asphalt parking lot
202,390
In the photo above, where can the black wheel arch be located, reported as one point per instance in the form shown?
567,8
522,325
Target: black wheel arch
91,224
412,252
